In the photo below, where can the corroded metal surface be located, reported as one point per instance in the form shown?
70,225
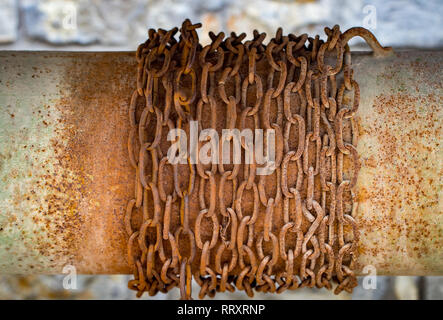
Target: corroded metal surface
61,195
308,236
31,229
66,179
400,183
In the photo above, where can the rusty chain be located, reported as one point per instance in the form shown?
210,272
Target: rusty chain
236,239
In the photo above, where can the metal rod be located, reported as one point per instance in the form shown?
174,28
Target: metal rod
65,176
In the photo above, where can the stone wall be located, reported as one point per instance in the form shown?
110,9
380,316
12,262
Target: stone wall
122,25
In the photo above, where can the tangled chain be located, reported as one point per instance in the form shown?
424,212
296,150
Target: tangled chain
294,228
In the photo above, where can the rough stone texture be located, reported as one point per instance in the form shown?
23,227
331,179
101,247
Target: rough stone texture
407,23
114,287
8,21
382,290
406,288
61,22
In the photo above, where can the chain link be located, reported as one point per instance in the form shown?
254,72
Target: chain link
238,238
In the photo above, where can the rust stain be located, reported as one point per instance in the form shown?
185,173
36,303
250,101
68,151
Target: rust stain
91,179
95,134
32,185
401,185
94,129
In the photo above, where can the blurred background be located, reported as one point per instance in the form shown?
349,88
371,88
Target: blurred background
120,25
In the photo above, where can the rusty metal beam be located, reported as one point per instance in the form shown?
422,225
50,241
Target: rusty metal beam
65,177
